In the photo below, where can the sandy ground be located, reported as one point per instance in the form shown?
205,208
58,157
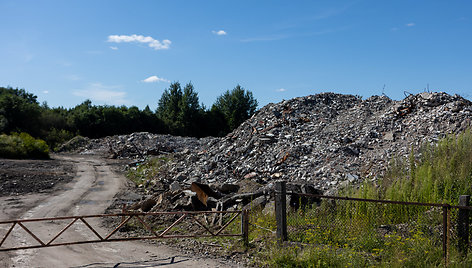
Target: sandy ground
91,191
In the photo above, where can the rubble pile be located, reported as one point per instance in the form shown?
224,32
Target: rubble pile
136,145
328,140
325,141
318,144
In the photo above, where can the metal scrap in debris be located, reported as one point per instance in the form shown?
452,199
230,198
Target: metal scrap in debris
203,191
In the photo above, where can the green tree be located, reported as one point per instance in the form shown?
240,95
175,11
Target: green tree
85,119
19,111
180,110
169,107
190,111
236,106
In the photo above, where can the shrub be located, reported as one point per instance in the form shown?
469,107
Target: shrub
22,146
56,137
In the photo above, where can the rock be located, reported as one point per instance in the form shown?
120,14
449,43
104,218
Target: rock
227,188
250,175
388,136
186,202
180,177
148,204
175,186
351,177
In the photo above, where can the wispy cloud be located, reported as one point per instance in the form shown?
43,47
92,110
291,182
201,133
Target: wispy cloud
316,15
330,12
154,79
114,48
266,38
112,95
220,32
151,42
45,92
411,24
281,90
276,37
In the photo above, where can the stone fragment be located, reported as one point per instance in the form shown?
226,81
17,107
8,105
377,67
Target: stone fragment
388,136
227,188
148,204
175,186
250,175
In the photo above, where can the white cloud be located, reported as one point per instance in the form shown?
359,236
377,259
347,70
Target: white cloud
151,42
411,24
114,48
153,79
45,92
97,92
220,32
281,90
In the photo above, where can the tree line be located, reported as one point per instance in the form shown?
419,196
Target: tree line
179,112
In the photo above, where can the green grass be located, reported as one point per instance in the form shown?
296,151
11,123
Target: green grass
360,234
441,173
147,170
21,146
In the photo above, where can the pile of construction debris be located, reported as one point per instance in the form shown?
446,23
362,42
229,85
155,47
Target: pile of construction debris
326,141
320,143
138,145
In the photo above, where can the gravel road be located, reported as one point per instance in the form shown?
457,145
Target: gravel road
91,191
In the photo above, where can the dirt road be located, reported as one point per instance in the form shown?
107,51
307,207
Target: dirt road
90,192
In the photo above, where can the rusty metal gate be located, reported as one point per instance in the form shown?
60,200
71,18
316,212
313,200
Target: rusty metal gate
126,226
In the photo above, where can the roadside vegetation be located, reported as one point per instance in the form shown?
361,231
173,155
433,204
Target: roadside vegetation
22,145
359,234
179,112
144,172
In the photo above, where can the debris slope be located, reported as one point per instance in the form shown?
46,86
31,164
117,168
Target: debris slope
329,140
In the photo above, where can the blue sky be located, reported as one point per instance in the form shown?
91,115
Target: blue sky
127,52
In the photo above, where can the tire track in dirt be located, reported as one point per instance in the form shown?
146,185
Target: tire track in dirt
90,192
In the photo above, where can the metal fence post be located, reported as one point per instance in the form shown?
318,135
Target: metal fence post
245,226
281,210
463,224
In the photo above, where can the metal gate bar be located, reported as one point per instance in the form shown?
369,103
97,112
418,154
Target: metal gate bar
126,217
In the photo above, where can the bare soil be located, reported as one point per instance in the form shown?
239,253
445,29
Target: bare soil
33,176
76,185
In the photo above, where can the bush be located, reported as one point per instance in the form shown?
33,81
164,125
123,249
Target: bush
56,137
22,146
